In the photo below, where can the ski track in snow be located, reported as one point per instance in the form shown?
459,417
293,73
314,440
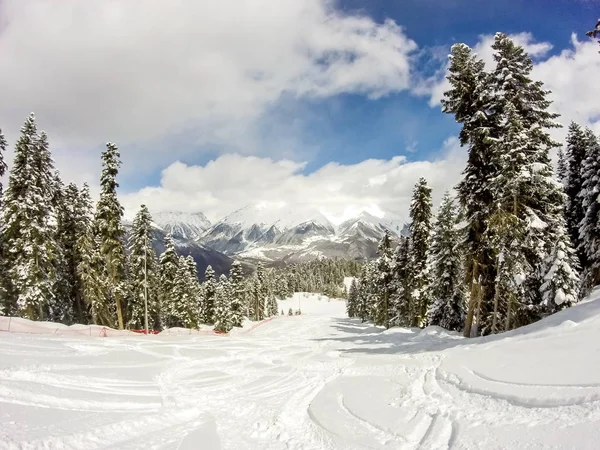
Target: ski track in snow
311,382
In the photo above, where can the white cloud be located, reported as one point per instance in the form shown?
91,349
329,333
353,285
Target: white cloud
234,181
136,71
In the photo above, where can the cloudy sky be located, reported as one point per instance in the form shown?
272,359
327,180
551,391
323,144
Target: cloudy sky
215,105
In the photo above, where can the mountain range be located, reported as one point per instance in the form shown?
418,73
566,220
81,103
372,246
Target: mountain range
274,235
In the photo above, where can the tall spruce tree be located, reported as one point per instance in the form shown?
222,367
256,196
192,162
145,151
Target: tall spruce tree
223,319
448,308
209,288
574,212
194,290
259,294
420,240
3,268
65,264
589,227
143,272
384,281
184,312
169,269
29,233
352,301
90,269
238,293
402,283
466,100
110,232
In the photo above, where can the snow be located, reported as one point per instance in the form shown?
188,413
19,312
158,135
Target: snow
315,381
279,214
186,225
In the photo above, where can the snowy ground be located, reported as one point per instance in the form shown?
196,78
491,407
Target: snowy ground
317,381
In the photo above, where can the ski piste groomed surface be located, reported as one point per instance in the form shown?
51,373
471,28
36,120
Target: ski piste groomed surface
315,381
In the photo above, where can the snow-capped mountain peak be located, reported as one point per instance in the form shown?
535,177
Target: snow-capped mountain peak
281,215
275,231
181,224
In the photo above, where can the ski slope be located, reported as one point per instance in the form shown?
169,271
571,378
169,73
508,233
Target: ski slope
316,381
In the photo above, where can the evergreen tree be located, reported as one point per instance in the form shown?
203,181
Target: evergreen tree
110,232
589,228
525,186
352,302
209,288
169,273
238,294
184,312
420,236
29,233
90,269
448,308
384,281
143,273
259,294
223,319
574,212
65,265
561,167
271,307
366,289
466,100
595,32
3,269
402,283
194,290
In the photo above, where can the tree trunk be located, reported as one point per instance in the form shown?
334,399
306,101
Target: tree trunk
495,318
473,300
119,312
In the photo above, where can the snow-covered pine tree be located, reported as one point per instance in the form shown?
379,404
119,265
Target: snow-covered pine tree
448,308
184,312
110,232
352,301
573,182
384,281
595,32
194,291
589,228
90,269
525,184
3,166
143,273
271,305
73,224
223,319
466,100
30,226
420,240
401,283
65,264
259,294
561,167
208,296
365,292
169,274
238,293
3,268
